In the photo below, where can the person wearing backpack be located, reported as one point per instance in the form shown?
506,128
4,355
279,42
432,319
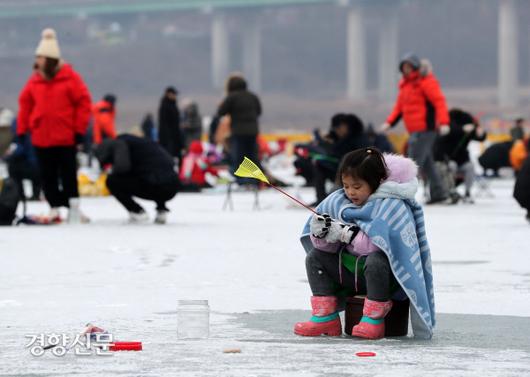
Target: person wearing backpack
422,106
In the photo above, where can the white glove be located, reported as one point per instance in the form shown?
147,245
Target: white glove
384,127
339,232
444,129
319,225
12,147
323,226
468,128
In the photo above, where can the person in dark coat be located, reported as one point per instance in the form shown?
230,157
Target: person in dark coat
169,134
212,129
148,127
378,140
140,168
453,146
517,131
346,135
191,124
9,198
521,191
22,164
496,156
244,109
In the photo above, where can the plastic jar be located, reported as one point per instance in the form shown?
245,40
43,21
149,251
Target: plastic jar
193,319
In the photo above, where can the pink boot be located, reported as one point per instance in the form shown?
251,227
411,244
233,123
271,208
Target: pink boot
325,319
372,324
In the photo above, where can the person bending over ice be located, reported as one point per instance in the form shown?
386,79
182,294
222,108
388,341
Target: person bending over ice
369,241
140,168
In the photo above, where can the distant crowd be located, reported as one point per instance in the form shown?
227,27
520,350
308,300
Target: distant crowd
56,120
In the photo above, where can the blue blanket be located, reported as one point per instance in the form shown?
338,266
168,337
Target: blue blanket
397,227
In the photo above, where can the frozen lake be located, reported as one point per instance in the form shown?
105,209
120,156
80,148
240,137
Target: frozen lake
249,265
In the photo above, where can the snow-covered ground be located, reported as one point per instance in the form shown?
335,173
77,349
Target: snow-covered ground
249,265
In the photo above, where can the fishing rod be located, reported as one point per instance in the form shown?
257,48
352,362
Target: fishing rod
248,169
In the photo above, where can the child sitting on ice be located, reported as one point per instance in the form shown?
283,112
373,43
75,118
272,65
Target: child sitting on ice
370,238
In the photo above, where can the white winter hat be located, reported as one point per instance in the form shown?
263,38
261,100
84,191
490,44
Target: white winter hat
48,46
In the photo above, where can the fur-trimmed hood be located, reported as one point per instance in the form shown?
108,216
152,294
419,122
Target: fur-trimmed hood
402,181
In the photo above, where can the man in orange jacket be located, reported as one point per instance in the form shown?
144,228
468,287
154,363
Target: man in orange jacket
54,107
421,104
104,113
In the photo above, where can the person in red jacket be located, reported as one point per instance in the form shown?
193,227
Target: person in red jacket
54,107
422,106
104,113
194,168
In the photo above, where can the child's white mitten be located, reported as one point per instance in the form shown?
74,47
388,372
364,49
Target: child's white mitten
319,225
339,232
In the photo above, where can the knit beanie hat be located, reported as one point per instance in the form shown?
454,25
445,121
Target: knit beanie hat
48,46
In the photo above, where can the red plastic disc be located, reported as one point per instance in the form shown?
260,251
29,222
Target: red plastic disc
365,354
126,346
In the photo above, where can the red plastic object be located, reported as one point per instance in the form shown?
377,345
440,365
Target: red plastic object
126,346
365,354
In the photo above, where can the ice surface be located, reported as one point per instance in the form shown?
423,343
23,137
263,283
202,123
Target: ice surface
250,266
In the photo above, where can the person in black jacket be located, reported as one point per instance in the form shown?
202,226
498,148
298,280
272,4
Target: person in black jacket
9,198
521,191
140,168
452,148
191,124
22,164
148,127
244,109
495,157
346,135
378,140
169,134
517,131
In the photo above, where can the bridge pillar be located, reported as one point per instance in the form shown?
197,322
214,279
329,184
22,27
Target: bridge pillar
507,54
220,53
388,56
252,53
356,54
